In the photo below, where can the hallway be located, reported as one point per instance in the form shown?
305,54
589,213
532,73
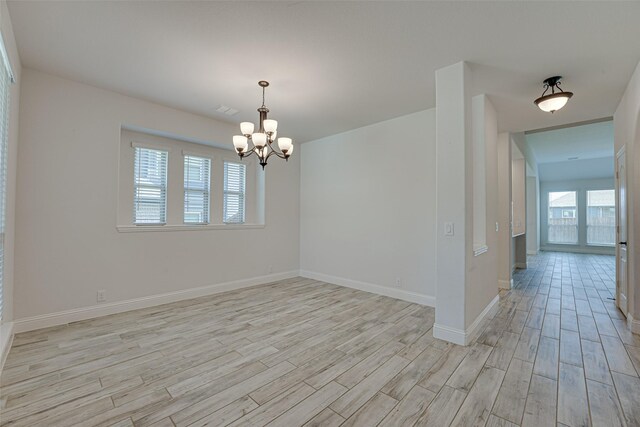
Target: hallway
560,336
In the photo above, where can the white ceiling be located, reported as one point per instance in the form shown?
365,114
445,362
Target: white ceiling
588,141
335,66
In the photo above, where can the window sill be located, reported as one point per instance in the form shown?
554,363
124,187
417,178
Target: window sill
479,250
182,227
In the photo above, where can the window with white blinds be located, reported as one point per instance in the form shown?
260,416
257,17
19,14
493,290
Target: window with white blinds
197,181
150,186
5,89
235,175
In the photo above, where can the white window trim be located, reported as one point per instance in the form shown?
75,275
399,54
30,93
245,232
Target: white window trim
186,227
211,158
166,189
152,146
244,193
257,220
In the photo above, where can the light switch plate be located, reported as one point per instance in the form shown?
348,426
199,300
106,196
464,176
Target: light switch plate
448,229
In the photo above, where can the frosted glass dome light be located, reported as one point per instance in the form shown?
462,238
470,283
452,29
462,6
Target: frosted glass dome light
555,100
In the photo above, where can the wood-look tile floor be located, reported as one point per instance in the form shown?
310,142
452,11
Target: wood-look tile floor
302,352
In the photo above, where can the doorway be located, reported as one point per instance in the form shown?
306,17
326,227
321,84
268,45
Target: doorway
621,246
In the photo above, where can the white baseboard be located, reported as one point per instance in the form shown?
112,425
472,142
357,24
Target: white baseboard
597,250
464,337
83,313
505,284
634,325
521,265
370,287
532,252
6,338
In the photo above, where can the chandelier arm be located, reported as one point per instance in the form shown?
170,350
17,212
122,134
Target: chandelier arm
546,88
246,153
282,156
274,151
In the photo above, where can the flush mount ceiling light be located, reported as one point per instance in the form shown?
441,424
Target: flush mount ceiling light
555,100
264,138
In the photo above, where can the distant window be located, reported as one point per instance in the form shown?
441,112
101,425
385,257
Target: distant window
562,219
5,90
234,193
601,217
197,179
150,186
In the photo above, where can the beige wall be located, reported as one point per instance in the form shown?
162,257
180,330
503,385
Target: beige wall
68,246
368,207
626,122
12,158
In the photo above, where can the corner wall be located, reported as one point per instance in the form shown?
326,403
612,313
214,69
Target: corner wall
68,246
367,207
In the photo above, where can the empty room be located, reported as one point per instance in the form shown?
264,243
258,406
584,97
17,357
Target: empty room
319,213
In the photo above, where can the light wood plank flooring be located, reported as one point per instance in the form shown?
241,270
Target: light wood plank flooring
301,352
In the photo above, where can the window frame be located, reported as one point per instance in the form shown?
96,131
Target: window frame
562,211
186,154
255,184
606,245
4,151
226,192
163,189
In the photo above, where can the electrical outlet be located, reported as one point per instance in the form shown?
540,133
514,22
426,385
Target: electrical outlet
398,283
101,295
497,226
270,269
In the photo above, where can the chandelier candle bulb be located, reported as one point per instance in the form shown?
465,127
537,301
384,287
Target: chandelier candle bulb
246,128
270,125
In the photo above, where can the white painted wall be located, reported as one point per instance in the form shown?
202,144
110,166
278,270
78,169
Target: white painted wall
518,196
504,211
482,271
68,245
533,218
601,167
12,156
467,285
626,121
367,206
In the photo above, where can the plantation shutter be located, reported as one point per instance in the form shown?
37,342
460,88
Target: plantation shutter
150,186
5,87
197,179
234,193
